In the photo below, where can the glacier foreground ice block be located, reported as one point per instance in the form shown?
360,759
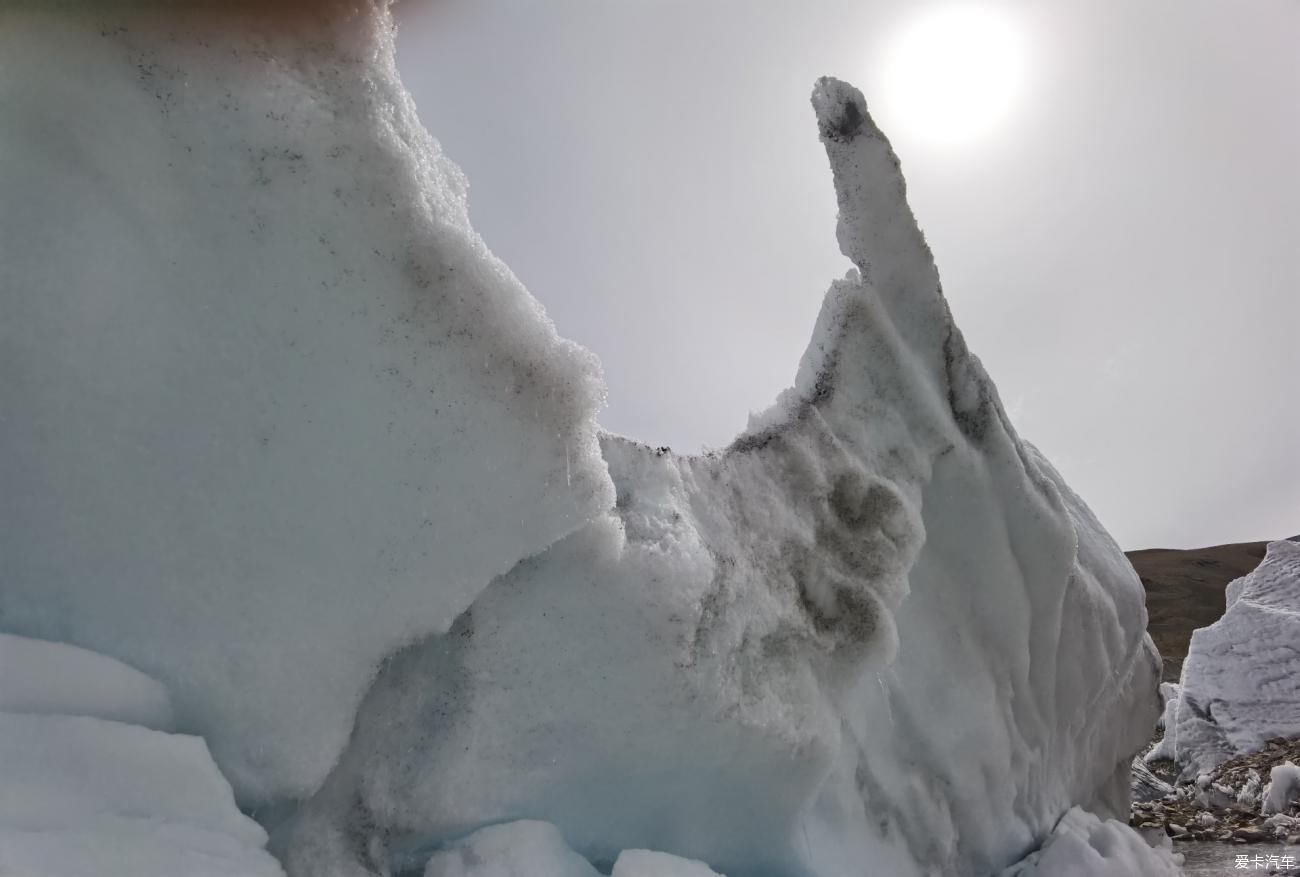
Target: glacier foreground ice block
878,634
90,786
82,796
1241,681
270,407
1082,845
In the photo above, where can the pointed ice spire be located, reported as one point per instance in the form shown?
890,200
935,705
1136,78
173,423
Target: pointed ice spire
876,230
879,234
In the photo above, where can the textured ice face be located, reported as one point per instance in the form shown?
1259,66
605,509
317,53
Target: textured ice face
1241,681
271,409
877,628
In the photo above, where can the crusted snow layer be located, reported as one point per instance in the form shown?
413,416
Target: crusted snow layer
44,677
1241,681
878,629
83,796
270,407
1084,846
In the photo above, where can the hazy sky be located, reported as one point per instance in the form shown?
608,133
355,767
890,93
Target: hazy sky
1110,188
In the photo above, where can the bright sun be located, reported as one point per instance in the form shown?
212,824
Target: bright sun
953,73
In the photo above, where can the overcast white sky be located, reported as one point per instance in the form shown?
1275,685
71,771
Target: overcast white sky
1110,188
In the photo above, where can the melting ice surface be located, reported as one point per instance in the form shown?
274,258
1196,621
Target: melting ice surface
281,434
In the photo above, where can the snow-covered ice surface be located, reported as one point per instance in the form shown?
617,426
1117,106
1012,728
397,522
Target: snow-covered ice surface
1084,846
878,630
44,677
271,409
1241,681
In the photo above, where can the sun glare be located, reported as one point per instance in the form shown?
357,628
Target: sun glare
953,73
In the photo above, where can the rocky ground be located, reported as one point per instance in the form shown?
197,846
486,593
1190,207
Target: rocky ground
1224,805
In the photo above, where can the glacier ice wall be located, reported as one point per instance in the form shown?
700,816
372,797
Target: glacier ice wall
275,418
270,407
1241,681
876,629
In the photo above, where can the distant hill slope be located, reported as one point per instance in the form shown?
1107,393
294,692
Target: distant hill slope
1185,590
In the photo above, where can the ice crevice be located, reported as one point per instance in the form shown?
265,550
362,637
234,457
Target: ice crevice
293,444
